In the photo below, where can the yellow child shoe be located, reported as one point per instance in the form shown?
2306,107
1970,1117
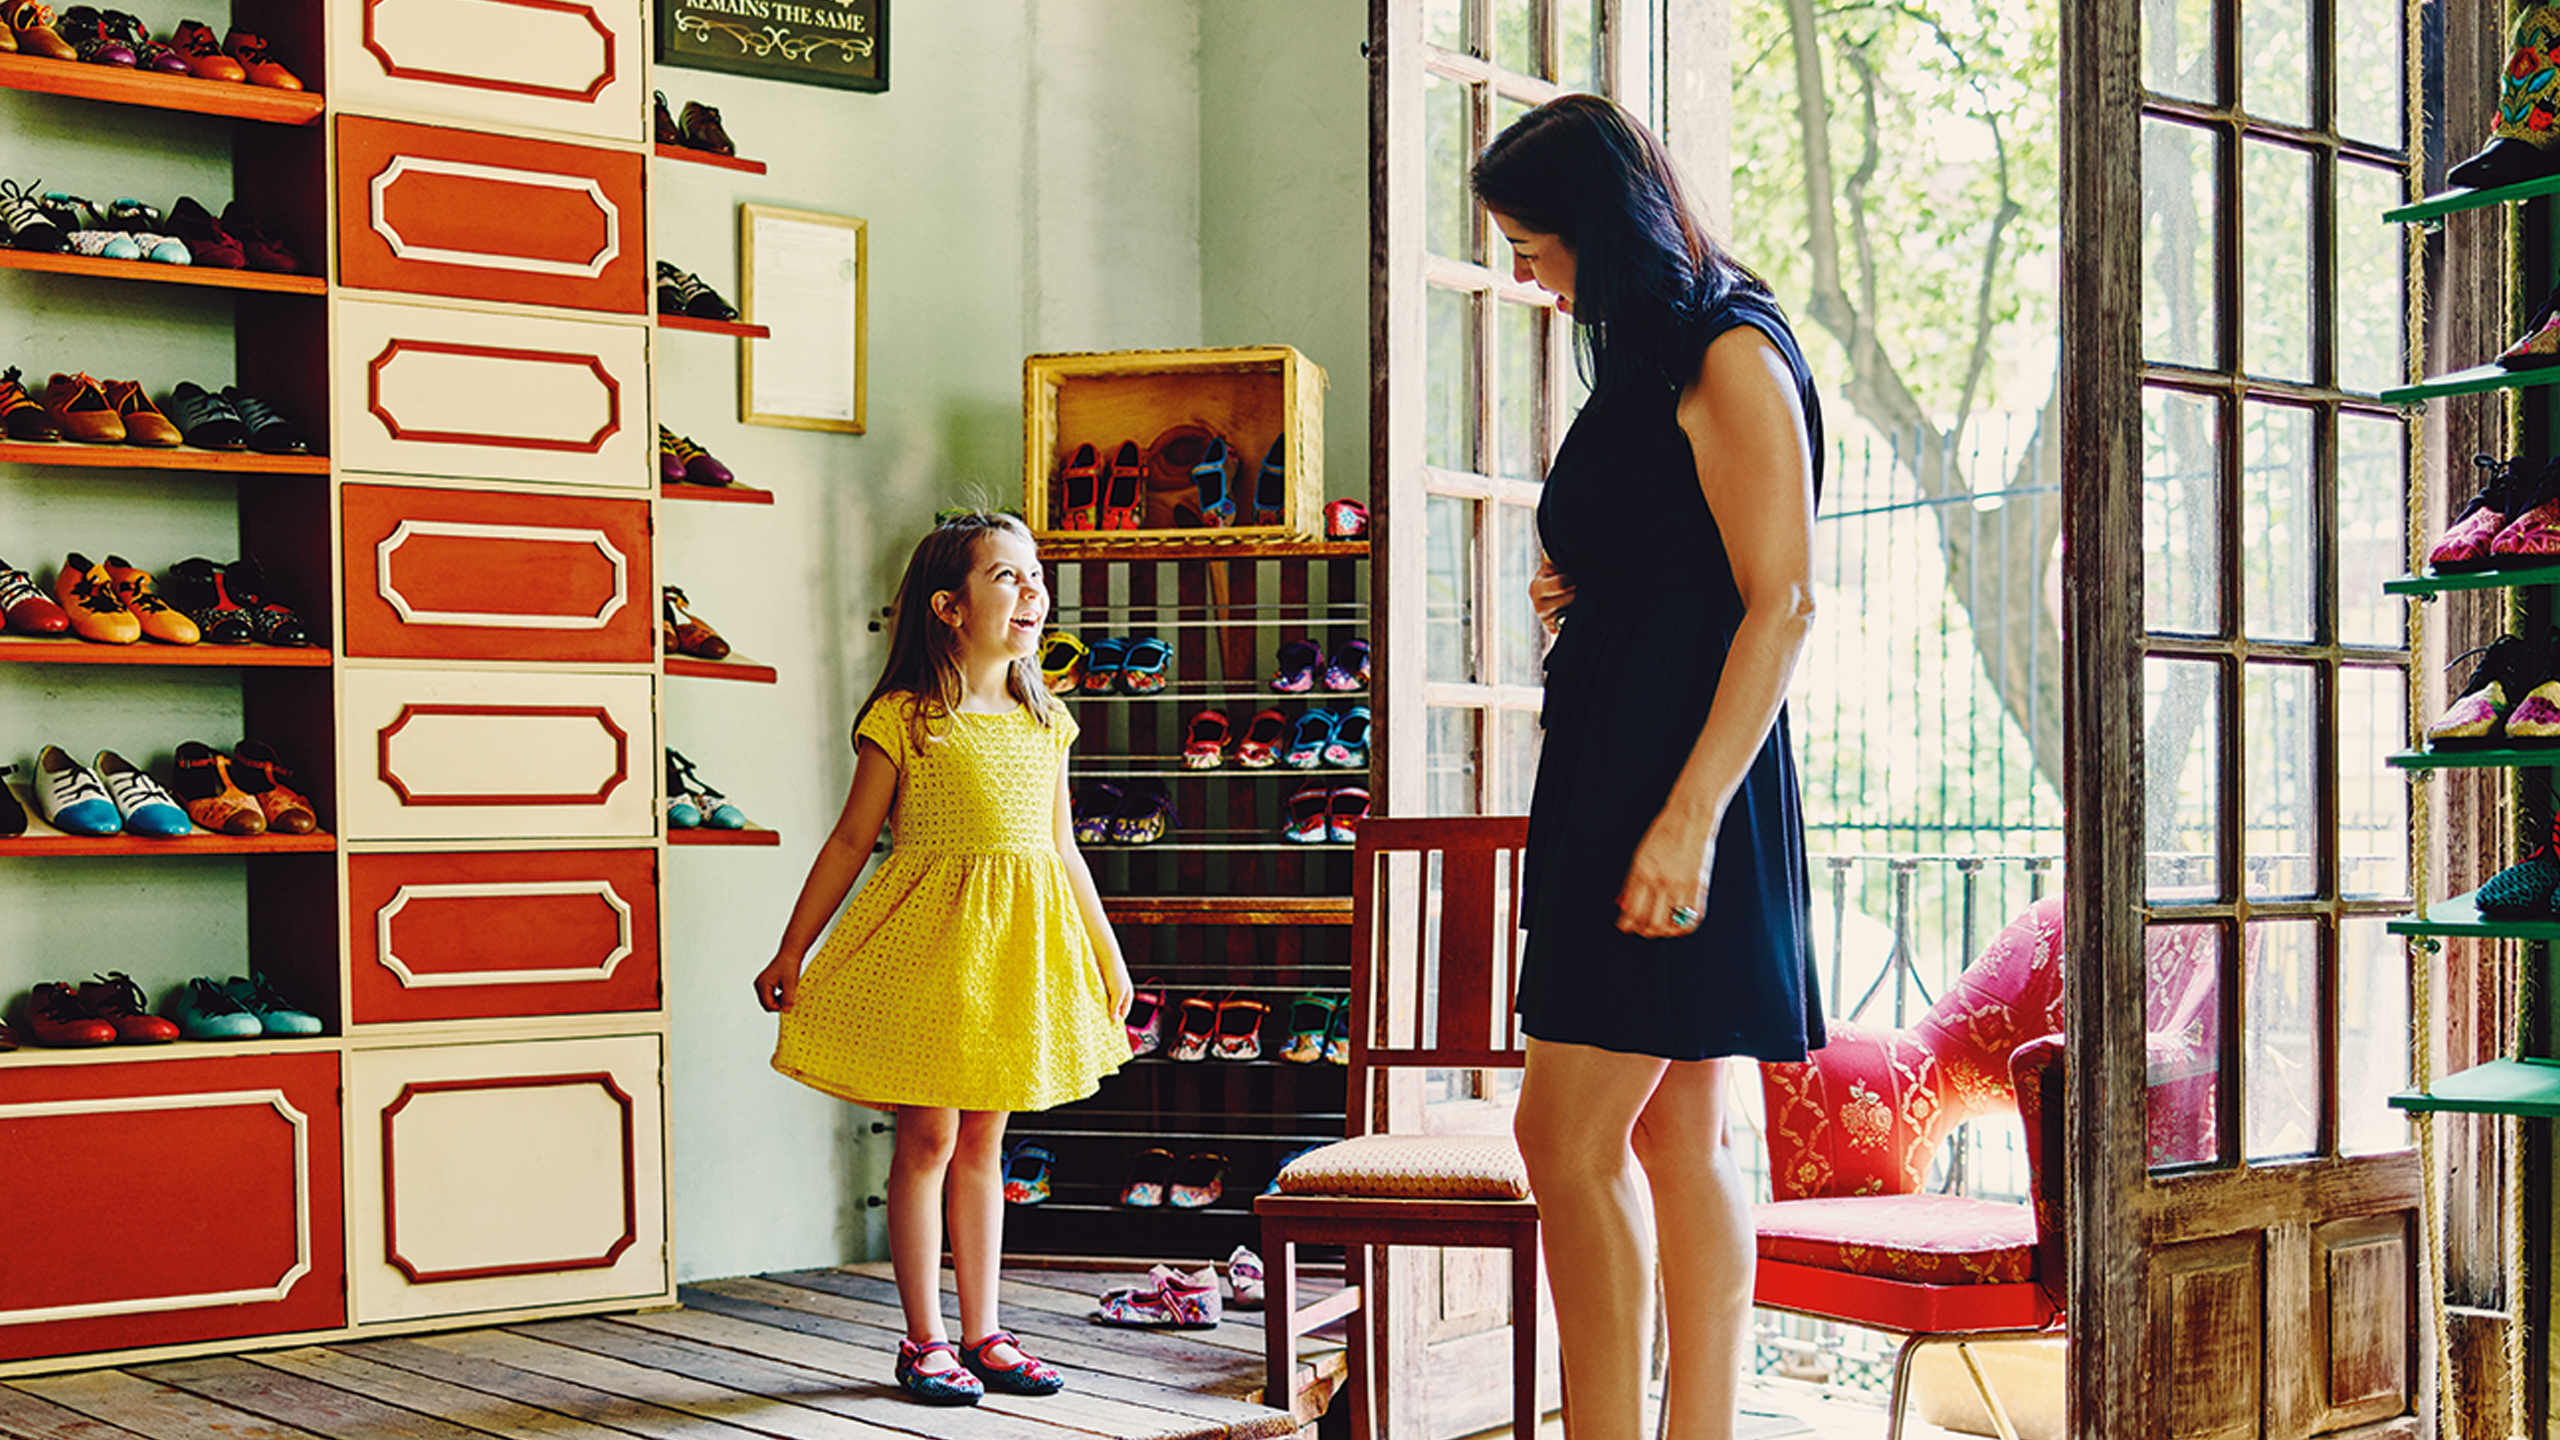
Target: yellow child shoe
161,621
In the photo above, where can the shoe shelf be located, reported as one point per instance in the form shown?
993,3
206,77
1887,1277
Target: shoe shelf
2515,579
120,86
2479,379
105,269
1093,545
2453,202
739,328
1257,846
2524,1086
1213,692
67,650
732,494
1218,910
703,835
704,157
2499,759
53,844
140,457
736,667
1168,767
2460,917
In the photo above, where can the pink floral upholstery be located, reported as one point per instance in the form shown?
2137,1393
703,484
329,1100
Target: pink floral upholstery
1924,1239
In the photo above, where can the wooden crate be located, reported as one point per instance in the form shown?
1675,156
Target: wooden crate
1248,396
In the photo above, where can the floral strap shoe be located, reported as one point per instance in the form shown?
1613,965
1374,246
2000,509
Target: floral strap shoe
2473,720
1260,747
1198,1031
1146,1019
1348,667
1309,1015
1025,1376
1170,1300
1026,1176
2533,535
2540,343
1294,669
1239,1034
1149,1169
1206,744
955,1386
1198,1181
2465,546
1244,1278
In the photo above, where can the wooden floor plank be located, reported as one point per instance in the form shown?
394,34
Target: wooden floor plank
710,1400
147,1408
24,1417
493,1414
1177,1356
293,1400
545,1392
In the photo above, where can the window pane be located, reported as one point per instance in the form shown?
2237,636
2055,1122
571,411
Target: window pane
2282,1072
2181,513
1505,111
2275,266
2178,48
1519,643
2373,798
2279,530
1578,45
2370,294
2368,83
2373,1038
1518,772
1449,641
1444,23
2275,55
1515,36
1449,768
2373,544
2182,983
2178,229
2280,789
1450,377
2182,804
1520,353
1448,206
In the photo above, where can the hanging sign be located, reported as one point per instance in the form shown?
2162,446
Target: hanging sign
844,43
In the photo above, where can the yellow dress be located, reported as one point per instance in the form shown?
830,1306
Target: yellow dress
961,974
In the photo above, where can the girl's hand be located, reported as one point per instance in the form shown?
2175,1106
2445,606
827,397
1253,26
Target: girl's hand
1550,591
777,983
1669,874
1116,989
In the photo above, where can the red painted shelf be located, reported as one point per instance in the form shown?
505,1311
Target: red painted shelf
120,86
732,494
71,650
705,157
143,457
736,667
55,844
105,269
752,835
739,328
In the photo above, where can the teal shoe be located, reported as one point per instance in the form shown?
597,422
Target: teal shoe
206,1011
150,812
276,1015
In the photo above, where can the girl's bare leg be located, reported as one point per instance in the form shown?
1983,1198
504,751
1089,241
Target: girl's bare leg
1702,1216
926,1140
977,1225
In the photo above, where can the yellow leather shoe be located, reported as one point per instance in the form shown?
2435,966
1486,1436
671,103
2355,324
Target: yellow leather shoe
80,409
89,598
161,620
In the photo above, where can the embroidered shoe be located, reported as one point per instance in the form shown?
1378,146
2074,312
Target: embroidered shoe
1198,1180
1314,732
71,797
2523,141
2535,720
1244,1278
23,608
1170,1300
2523,891
1124,489
1343,812
148,54
1096,801
1026,1174
1193,1037
1260,747
162,249
103,244
1080,490
28,227
955,1386
1148,1171
114,998
149,810
1205,744
1309,1014
1102,661
1294,669
1347,669
1146,1020
1061,662
2540,343
682,812
1215,476
1349,747
1305,822
1141,670
161,620
2533,535
2473,719
1239,1034
2465,546
1346,520
84,592
21,417
1146,813
1025,1376
1271,487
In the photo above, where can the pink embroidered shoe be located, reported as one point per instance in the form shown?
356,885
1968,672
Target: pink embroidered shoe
1026,1376
1207,743
1198,1181
2540,344
2507,667
1244,1277
1170,1300
1146,1020
2536,718
2465,546
1198,1030
1260,747
1149,1170
2533,535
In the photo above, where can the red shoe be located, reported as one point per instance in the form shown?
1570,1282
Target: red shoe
195,44
114,998
58,1017
1081,487
1260,747
24,607
1124,495
1207,744
251,52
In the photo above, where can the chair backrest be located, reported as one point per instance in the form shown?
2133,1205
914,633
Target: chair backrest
1435,911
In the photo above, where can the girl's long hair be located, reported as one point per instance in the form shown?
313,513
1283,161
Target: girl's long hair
1582,169
924,657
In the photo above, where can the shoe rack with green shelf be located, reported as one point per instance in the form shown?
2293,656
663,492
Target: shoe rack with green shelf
1221,904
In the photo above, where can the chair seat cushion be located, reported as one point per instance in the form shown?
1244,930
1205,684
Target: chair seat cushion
1412,1167
1924,1239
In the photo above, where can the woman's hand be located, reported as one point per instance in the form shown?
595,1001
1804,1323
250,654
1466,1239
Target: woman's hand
778,983
1666,889
1550,591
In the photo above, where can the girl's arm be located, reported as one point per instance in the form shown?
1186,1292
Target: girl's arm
840,861
1755,466
1106,944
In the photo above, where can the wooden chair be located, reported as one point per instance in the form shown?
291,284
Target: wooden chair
1436,910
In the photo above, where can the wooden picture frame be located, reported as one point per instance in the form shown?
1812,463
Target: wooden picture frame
840,43
812,273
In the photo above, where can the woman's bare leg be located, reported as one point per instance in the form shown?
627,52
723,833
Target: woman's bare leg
1702,1216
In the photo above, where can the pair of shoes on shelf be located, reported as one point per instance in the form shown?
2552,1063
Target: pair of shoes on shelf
1170,1299
2511,698
1026,1173
114,798
681,292
117,603
681,462
1132,665
697,128
1215,478
233,420
692,804
1318,814
1301,663
244,1007
105,1011
685,634
2513,520
237,241
24,610
1062,658
1096,496
1339,739
1229,1028
1156,1179
242,792
1318,1023
1108,814
229,603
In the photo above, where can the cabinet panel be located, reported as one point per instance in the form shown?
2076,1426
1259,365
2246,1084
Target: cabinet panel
474,575
570,65
468,936
434,211
176,1201
428,391
473,755
491,1176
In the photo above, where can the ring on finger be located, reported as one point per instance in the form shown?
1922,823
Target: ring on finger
1684,917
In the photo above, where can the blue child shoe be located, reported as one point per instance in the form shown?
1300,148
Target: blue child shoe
206,1011
1306,746
276,1015
955,1386
1349,747
1216,477
1026,1376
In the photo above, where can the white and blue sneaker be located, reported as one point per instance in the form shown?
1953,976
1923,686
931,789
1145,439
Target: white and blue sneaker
150,812
71,797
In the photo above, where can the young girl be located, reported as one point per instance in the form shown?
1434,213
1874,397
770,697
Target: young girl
975,974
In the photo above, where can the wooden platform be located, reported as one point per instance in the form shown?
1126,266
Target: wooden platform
798,1356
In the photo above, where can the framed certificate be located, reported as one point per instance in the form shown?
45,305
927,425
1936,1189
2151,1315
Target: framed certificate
809,273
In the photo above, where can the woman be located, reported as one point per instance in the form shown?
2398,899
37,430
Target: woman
1666,895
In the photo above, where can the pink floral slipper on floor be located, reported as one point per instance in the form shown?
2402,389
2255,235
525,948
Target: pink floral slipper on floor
1244,1278
1170,1300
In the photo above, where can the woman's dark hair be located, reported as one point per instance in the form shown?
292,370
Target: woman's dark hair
924,661
1582,169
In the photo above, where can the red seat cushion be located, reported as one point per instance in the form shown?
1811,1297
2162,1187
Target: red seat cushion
1922,1239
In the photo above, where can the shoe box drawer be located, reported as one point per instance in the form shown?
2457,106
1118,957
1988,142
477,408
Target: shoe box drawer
494,1176
483,575
468,936
468,394
567,65
168,1202
429,210
489,755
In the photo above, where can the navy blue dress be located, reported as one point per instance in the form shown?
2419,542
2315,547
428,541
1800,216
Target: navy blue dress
1628,685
